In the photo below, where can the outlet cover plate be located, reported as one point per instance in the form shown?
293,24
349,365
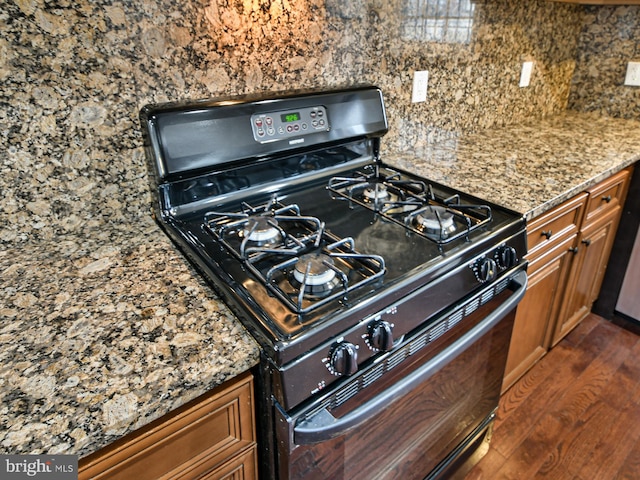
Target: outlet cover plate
420,83
633,74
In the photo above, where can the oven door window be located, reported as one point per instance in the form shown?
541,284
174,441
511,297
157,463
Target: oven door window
406,423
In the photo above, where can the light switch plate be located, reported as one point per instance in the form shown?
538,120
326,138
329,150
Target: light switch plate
525,75
633,74
420,83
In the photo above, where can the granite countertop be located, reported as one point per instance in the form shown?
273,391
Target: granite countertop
103,333
533,167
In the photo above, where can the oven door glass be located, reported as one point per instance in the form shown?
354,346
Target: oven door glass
407,424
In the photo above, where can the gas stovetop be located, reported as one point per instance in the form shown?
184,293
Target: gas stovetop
286,207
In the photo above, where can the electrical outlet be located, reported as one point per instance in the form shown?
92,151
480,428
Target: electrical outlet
420,83
525,75
633,74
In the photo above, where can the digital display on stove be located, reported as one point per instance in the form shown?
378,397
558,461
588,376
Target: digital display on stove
290,117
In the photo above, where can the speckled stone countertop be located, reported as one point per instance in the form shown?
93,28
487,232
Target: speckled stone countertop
101,334
533,167
105,330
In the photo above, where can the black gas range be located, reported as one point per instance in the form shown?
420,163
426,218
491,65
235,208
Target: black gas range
341,266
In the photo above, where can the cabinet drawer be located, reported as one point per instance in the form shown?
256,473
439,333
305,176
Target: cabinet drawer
546,231
186,444
243,466
606,195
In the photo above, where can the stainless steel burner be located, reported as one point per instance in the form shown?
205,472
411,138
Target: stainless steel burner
314,273
435,220
376,192
262,230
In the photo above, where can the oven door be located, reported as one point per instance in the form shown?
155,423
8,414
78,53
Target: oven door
419,419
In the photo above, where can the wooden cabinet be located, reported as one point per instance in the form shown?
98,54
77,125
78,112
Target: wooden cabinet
538,311
586,273
551,239
568,250
594,247
212,437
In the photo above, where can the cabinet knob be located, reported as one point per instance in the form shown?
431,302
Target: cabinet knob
586,242
546,233
607,198
573,250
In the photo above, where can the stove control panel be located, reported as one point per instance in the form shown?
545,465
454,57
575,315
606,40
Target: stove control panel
286,124
489,266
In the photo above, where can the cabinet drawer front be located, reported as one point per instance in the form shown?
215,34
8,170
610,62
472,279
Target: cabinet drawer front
243,466
606,195
546,231
201,435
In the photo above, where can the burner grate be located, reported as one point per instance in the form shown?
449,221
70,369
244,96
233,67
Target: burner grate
407,202
235,230
293,255
352,270
382,193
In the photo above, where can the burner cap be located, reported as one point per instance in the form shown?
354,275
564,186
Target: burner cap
435,220
261,229
376,191
319,273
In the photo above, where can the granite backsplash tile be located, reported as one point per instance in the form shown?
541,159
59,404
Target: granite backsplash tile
609,39
70,157
74,75
217,48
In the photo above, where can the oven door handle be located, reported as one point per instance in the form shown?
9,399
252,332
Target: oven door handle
323,426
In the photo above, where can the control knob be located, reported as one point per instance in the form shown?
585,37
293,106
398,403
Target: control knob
343,359
485,269
380,335
506,257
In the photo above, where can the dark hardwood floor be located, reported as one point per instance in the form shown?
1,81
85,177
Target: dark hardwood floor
575,415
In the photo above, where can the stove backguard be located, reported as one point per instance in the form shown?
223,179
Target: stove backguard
190,139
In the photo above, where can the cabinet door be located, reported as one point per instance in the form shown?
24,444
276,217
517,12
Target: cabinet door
206,435
585,279
538,310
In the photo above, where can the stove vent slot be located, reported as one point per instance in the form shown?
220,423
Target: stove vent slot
502,285
486,296
396,359
344,395
437,331
418,343
328,404
455,318
471,307
372,376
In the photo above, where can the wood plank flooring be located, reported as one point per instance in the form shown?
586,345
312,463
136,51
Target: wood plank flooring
575,415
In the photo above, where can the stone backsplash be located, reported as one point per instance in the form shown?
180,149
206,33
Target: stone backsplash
74,74
610,38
